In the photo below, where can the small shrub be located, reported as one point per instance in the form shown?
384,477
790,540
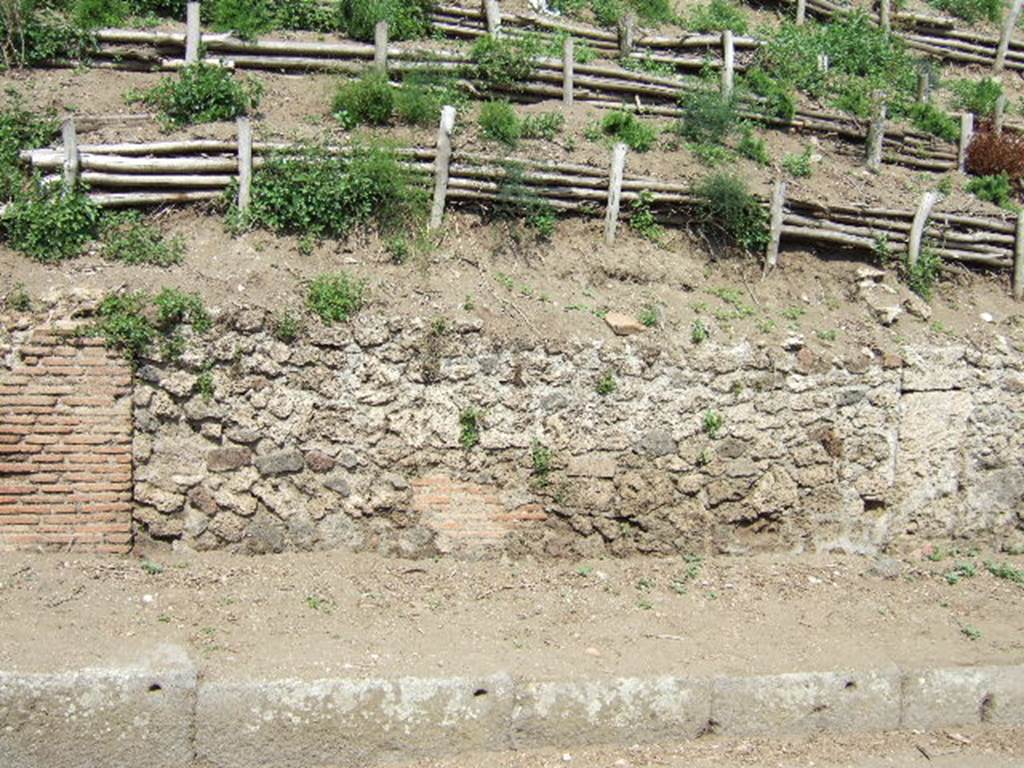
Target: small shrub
991,154
642,219
469,428
422,95
648,316
247,18
717,16
995,189
32,34
712,423
977,96
127,238
335,297
1005,571
175,307
20,128
931,119
629,129
699,332
728,207
972,10
316,193
798,165
707,117
545,125
202,93
517,200
503,62
499,122
753,147
18,299
204,385
961,571
286,327
921,277
406,19
606,384
369,100
50,224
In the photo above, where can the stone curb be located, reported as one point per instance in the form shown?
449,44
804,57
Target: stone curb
162,715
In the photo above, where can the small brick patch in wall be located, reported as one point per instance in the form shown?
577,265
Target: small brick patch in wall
468,515
65,445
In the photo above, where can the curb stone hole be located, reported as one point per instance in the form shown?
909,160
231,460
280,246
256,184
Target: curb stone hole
480,692
708,729
987,708
155,687
850,685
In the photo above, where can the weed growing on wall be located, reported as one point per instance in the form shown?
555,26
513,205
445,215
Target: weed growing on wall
922,276
335,297
727,207
607,384
51,223
540,458
712,423
317,193
469,428
201,93
132,323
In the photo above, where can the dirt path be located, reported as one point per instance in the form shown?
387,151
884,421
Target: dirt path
333,614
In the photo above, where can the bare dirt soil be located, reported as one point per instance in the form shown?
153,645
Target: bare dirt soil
324,614
962,748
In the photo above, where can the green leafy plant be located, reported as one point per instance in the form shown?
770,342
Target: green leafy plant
544,125
50,223
960,571
204,385
728,207
20,128
798,165
977,96
629,129
32,33
717,16
124,325
922,275
18,299
316,192
540,457
423,94
699,332
995,189
648,316
335,297
286,327
936,121
707,116
642,219
201,93
126,237
499,122
712,423
1006,571
606,385
972,10
503,62
753,147
406,19
175,307
469,428
368,100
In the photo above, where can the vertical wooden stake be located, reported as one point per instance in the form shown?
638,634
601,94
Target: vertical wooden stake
885,15
924,210
72,161
568,64
492,11
801,11
876,134
775,227
611,218
966,134
1009,24
924,87
1000,116
1018,259
192,32
244,164
728,63
627,33
380,46
823,62
442,161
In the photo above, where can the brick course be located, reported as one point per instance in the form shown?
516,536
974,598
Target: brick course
65,446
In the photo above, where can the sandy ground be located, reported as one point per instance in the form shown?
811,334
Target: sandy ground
324,614
962,748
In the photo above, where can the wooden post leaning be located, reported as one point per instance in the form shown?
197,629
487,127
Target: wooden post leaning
1009,24
924,210
244,164
442,161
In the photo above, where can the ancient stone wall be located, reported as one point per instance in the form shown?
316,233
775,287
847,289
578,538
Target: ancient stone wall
65,443
353,437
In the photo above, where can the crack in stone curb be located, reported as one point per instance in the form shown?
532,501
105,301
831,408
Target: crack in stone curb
165,714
